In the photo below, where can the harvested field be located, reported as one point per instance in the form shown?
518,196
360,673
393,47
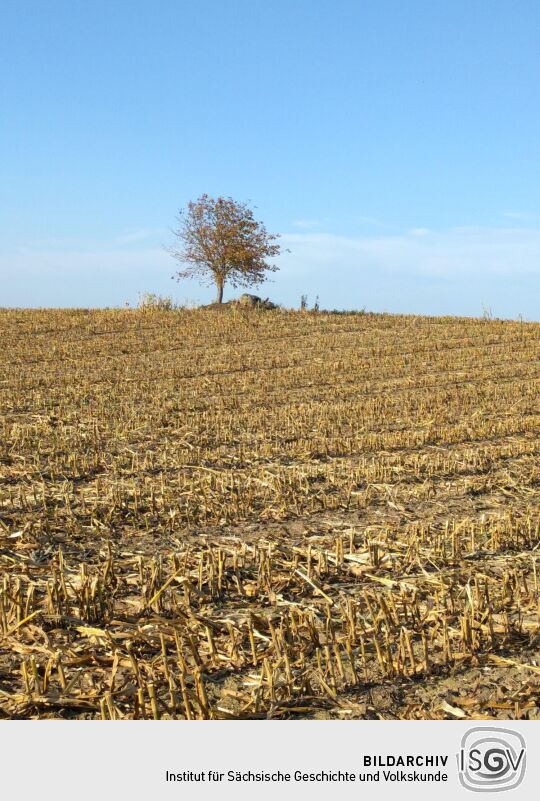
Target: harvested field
268,514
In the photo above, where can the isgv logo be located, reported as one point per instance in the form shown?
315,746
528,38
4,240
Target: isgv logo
491,760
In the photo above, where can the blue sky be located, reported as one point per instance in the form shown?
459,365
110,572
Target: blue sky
395,146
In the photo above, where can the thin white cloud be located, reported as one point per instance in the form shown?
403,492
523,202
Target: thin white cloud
139,235
473,251
449,272
83,262
374,221
306,224
521,216
362,221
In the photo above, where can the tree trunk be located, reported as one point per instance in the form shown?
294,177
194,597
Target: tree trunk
219,285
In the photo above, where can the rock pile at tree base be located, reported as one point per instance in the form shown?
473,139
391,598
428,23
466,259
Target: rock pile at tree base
246,301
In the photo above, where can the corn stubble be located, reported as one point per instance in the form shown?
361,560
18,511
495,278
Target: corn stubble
268,515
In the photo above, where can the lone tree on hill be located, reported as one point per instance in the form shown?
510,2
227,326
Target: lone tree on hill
219,240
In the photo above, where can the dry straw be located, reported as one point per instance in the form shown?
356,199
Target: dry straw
276,515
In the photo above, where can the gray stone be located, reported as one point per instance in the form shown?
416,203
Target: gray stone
249,300
255,302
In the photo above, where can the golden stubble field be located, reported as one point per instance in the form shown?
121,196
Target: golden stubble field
278,514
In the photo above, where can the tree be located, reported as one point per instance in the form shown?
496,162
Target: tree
219,240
